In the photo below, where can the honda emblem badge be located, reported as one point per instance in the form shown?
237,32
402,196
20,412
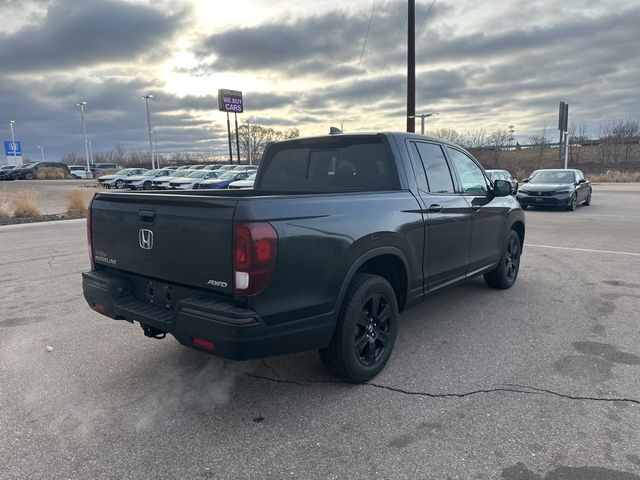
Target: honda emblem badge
145,238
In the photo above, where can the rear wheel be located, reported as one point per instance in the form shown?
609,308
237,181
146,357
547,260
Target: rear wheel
366,330
505,274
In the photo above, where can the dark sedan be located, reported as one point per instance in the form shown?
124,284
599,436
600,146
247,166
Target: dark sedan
5,172
555,188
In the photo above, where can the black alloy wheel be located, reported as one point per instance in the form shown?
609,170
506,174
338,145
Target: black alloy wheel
506,272
371,332
146,185
572,203
366,330
587,201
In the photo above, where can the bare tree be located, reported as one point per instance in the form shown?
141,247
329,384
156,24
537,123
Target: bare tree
448,134
260,138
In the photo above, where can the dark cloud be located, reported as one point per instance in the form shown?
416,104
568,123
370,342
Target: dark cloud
80,34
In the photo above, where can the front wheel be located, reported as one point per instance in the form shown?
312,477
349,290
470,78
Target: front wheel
119,184
505,274
146,185
366,330
587,201
573,202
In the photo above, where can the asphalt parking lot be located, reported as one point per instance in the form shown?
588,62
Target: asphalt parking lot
538,382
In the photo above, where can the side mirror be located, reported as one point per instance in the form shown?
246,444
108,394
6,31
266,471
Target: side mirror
582,180
501,188
525,180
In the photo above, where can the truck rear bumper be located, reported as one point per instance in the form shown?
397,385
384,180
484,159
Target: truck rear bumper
218,327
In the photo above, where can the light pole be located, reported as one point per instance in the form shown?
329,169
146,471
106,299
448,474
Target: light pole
146,101
13,141
422,116
155,137
41,151
84,134
90,151
249,142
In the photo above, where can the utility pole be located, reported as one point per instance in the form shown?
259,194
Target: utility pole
563,117
249,142
84,134
155,136
411,68
146,101
566,149
13,141
235,115
229,138
41,148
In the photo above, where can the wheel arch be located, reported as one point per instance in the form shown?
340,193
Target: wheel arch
388,262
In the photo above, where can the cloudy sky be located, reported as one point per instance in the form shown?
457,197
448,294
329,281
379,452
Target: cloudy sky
302,64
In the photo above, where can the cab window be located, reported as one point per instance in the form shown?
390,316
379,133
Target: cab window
470,175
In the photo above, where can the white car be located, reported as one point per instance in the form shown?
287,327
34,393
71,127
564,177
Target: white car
78,171
145,181
245,184
117,179
162,183
191,180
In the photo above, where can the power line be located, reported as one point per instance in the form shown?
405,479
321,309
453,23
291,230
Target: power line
426,15
364,45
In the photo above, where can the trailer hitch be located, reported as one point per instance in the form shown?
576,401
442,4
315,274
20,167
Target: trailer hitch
153,332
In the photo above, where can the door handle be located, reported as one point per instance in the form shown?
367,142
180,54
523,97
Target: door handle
435,208
147,216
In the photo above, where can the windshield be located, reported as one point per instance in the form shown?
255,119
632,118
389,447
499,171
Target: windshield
149,173
550,177
124,171
228,175
179,173
198,174
251,177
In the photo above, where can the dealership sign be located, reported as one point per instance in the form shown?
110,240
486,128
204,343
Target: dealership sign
230,101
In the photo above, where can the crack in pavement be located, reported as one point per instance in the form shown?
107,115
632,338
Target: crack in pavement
273,370
521,389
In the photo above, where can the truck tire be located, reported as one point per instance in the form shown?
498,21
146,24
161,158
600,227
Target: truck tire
505,274
366,330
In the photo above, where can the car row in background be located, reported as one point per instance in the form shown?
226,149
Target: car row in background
565,188
179,178
504,175
29,171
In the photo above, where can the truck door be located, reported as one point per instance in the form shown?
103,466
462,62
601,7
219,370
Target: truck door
489,213
447,215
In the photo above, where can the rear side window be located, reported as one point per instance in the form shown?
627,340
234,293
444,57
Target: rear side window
330,164
436,168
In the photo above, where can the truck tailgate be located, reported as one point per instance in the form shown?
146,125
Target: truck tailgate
185,239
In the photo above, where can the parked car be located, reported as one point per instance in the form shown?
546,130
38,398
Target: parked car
78,171
224,179
162,183
30,171
117,179
504,175
145,180
100,169
555,188
244,184
214,167
191,180
392,217
5,172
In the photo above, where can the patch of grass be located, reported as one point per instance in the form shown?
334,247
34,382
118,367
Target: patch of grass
615,176
50,174
4,211
78,200
25,203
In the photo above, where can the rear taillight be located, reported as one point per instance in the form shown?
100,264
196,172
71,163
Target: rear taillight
255,250
89,236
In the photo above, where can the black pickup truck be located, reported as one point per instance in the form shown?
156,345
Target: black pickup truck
339,235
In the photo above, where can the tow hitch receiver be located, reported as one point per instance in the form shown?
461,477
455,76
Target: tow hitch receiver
153,332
